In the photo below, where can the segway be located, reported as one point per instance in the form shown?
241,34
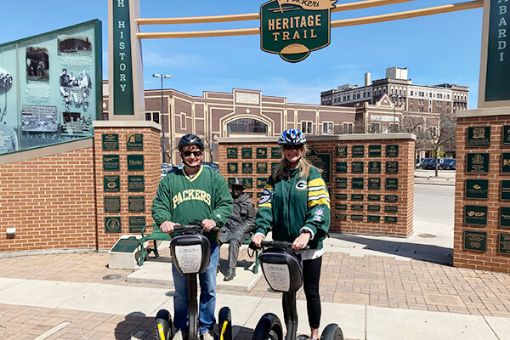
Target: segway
283,272
190,251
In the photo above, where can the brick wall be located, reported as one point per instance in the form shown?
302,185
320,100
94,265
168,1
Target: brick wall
478,210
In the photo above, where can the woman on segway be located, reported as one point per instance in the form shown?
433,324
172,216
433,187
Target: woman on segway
295,206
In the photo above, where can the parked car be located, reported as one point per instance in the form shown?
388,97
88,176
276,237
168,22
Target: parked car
448,164
424,162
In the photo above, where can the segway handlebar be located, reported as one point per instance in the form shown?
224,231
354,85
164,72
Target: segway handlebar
276,244
194,227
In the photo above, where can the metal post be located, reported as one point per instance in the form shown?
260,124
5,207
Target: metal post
163,122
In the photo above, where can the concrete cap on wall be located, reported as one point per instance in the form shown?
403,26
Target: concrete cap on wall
310,138
494,111
126,124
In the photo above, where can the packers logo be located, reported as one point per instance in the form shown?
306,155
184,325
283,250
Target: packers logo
301,185
266,197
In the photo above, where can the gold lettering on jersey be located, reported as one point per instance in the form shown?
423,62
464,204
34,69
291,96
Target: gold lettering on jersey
191,195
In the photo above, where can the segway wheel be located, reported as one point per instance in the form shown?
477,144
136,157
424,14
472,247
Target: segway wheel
164,325
332,332
225,324
269,327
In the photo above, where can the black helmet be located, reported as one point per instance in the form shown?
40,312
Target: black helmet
191,139
237,183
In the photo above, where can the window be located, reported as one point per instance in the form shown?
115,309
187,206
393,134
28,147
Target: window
433,131
393,127
348,127
328,128
247,125
154,116
306,126
375,128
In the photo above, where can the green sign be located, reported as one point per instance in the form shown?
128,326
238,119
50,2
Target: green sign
246,153
478,136
358,151
392,150
294,28
505,140
261,182
232,168
341,151
112,204
134,142
111,163
504,217
340,206
247,168
136,224
321,161
375,208
358,183
262,153
357,197
357,218
111,183
136,203
122,61
391,198
341,217
498,67
112,224
135,163
504,190
262,168
232,153
357,207
276,152
391,209
110,142
374,184
136,183
374,150
341,183
374,198
357,167
477,188
505,163
374,167
248,182
373,218
475,215
392,168
475,240
341,196
504,243
274,166
341,167
477,162
391,184
390,219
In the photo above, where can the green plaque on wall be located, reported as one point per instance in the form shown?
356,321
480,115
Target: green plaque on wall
274,166
357,207
136,183
136,224
357,197
357,218
246,153
247,168
136,203
390,219
373,218
134,142
391,198
341,217
341,151
504,217
262,153
374,198
504,243
341,183
392,168
374,184
505,139
135,163
374,208
478,136
248,182
477,163
357,167
391,184
374,167
357,183
230,181
475,215
391,209
374,150
341,167
475,240
276,152
261,182
504,190
112,204
110,142
112,224
505,163
111,184
358,151
232,168
262,168
111,163
392,150
232,153
341,196
477,188
340,206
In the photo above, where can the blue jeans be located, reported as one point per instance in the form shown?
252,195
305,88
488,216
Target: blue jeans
207,303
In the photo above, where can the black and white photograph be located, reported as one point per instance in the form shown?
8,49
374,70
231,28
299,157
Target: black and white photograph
8,135
75,124
38,67
39,118
74,44
75,89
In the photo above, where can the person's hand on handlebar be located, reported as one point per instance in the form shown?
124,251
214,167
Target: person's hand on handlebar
208,224
257,239
301,241
167,226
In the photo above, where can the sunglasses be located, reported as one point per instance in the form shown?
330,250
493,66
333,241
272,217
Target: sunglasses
189,153
293,147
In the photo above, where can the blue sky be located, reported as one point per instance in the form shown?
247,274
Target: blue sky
436,49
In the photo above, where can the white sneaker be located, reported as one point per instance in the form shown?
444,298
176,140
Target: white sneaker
207,336
179,335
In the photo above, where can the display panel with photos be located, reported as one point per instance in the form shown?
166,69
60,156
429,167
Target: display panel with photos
50,87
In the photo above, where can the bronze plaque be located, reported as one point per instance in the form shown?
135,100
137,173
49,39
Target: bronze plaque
475,215
111,183
374,208
232,153
134,142
477,163
135,163
357,167
341,196
504,243
341,183
477,188
341,151
246,153
247,168
276,152
110,142
505,140
478,136
475,240
357,218
136,183
373,218
357,197
262,153
248,182
504,217
341,206
357,207
392,168
390,219
136,203
341,167
358,151
112,224
357,183
392,150
374,198
136,224
391,209
111,163
232,168
112,204
374,184
374,167
505,163
262,168
504,190
391,198
391,184
261,182
374,150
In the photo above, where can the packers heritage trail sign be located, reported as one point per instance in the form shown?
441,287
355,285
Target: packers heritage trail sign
294,28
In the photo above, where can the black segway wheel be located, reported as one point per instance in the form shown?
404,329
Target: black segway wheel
225,324
269,327
164,325
332,332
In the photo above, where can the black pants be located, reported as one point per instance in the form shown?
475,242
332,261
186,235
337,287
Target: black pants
311,280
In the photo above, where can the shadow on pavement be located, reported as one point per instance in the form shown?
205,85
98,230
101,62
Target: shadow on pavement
136,325
415,251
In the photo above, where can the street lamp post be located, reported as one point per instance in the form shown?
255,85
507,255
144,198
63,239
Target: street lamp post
163,144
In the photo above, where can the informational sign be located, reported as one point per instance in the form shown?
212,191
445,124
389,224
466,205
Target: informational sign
189,258
277,276
294,28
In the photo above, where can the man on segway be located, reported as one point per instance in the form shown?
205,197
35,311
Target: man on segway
191,193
